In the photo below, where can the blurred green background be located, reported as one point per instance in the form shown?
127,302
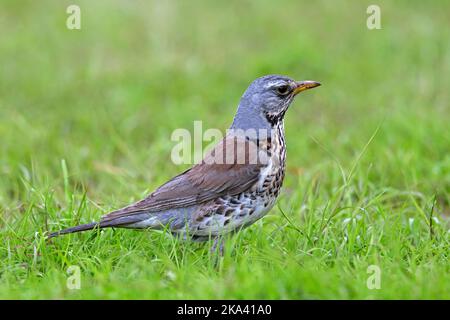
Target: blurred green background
86,117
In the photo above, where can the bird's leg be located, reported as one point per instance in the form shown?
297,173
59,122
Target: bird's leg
217,251
218,241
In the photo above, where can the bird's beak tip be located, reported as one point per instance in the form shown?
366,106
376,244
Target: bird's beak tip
305,85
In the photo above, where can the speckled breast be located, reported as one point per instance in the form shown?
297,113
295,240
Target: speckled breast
228,213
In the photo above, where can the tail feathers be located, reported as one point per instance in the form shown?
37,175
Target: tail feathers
83,227
121,222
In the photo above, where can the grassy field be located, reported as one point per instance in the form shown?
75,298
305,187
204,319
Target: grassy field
86,118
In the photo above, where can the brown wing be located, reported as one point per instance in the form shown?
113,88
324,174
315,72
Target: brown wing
232,167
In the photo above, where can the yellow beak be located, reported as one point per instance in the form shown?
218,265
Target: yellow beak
305,85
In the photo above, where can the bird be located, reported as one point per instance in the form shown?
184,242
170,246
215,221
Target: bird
233,186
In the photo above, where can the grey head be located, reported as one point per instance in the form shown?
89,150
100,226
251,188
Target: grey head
266,100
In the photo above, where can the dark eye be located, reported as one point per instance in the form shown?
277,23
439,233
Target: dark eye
283,90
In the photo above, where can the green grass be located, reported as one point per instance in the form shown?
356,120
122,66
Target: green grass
85,124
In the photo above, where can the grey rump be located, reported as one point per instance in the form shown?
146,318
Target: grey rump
217,197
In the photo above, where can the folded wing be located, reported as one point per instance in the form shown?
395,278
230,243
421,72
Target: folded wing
232,167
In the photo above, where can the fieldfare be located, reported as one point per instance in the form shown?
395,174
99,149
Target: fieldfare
234,185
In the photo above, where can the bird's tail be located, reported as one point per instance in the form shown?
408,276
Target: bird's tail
120,222
82,227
